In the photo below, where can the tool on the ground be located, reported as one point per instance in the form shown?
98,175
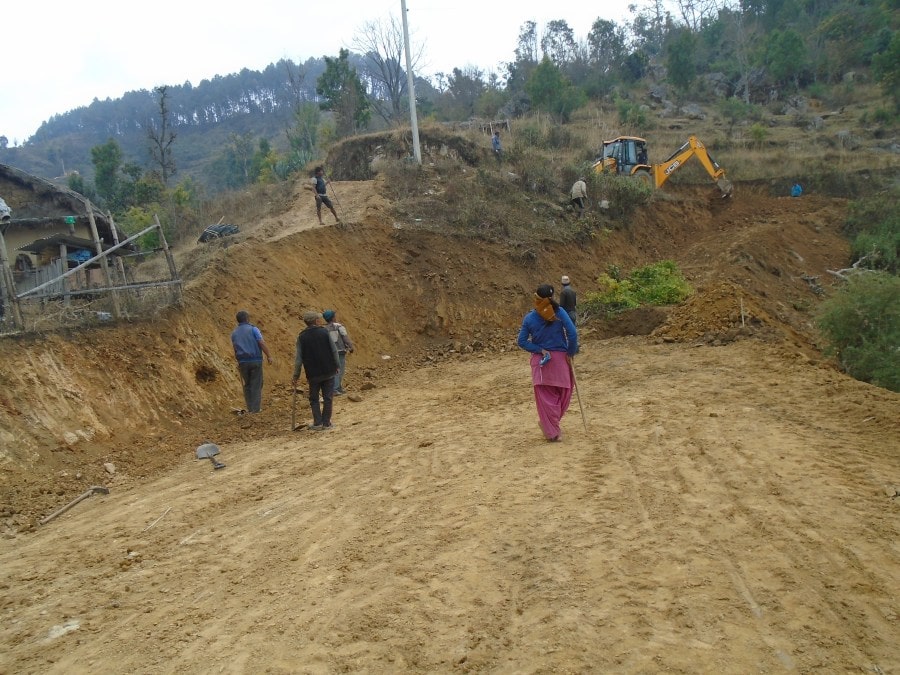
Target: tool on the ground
95,489
209,451
577,393
294,408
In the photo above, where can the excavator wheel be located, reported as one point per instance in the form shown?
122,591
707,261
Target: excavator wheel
644,176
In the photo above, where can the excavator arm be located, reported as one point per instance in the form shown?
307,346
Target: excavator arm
692,148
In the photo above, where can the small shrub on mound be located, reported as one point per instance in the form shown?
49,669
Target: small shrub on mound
536,174
658,284
875,222
546,137
403,178
861,325
623,193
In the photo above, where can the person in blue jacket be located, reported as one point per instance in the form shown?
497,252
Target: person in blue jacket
550,335
249,348
496,147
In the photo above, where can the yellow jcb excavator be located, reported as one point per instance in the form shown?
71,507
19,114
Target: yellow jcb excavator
627,155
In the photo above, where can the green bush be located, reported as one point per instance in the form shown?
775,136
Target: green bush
861,326
536,174
623,193
734,110
884,116
559,137
529,136
136,219
874,222
658,284
759,134
631,113
550,137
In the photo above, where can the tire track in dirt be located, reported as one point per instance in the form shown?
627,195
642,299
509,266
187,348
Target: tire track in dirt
687,482
696,527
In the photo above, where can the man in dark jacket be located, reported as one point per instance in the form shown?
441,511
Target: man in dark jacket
567,299
317,354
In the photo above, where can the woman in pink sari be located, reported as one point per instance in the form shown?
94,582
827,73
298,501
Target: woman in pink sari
549,334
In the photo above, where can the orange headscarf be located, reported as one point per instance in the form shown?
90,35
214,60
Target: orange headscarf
544,307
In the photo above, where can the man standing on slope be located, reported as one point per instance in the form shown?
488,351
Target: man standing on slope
318,355
579,194
320,186
249,348
568,299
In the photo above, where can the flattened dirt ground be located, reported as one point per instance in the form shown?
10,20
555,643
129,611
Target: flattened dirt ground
729,506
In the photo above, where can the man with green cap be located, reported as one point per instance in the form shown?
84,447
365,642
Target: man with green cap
344,346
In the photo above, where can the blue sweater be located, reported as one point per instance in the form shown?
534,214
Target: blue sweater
245,339
554,336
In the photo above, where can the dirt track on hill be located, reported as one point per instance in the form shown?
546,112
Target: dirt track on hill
729,508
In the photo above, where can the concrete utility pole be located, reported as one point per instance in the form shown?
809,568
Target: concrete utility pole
417,152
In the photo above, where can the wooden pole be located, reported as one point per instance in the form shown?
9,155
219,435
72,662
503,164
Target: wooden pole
120,264
104,265
176,289
8,286
63,255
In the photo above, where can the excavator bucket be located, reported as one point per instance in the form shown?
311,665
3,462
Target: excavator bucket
726,186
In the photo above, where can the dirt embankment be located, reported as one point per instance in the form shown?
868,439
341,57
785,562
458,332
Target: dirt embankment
725,503
137,394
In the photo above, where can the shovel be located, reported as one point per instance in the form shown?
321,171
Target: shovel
209,451
96,489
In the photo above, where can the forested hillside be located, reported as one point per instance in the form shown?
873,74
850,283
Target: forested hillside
254,102
739,61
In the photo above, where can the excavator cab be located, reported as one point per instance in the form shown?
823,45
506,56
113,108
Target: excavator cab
623,155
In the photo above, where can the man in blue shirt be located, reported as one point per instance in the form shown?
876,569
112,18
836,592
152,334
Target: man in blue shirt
495,145
249,348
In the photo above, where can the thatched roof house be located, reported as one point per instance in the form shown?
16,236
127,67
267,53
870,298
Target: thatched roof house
43,210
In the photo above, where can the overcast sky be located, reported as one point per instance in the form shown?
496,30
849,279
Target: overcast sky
62,55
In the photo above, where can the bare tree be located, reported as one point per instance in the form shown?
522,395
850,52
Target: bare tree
695,13
381,44
162,138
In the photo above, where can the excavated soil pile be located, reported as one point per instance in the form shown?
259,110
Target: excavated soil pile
725,502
